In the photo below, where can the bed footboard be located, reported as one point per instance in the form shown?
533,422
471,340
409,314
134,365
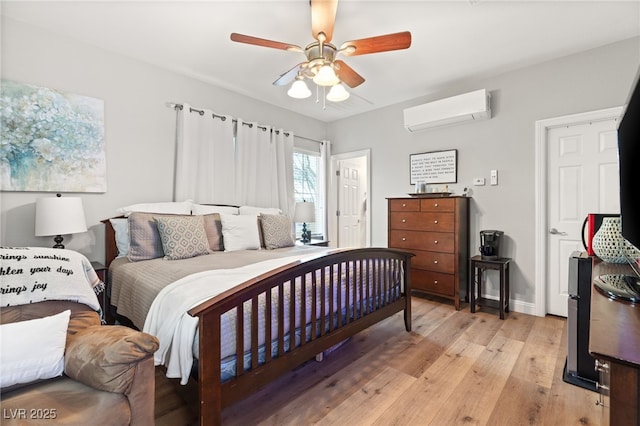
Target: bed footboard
287,316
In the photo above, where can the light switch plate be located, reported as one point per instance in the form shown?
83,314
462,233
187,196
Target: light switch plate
494,177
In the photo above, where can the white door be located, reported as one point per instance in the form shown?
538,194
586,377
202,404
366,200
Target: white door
349,203
582,178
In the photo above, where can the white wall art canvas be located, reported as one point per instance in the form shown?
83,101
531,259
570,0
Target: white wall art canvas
50,140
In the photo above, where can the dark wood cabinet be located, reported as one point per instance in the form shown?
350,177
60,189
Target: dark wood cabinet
614,340
436,230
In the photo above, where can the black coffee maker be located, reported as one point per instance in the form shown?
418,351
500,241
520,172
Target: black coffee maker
490,244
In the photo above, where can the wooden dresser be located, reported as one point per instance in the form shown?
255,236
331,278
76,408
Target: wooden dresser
436,230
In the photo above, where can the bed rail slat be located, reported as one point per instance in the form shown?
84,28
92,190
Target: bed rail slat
239,339
314,306
254,332
268,312
303,309
281,319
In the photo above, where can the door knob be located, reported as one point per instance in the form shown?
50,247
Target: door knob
554,231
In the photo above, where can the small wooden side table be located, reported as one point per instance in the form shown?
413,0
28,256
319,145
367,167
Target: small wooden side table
476,276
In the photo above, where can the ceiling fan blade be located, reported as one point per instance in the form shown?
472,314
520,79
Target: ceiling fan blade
347,75
290,75
383,43
241,38
323,18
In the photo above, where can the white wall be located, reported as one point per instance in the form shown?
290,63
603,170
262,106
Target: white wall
139,127
139,134
595,79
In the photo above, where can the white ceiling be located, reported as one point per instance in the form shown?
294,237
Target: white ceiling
452,40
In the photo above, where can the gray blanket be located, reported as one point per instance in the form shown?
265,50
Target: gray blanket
134,285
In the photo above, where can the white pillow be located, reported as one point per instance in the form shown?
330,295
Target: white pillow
33,350
171,207
259,210
240,232
203,209
121,228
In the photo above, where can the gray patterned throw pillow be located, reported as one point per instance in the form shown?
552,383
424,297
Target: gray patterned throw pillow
276,231
182,236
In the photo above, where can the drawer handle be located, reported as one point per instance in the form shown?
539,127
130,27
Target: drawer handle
404,220
435,205
404,205
435,281
404,239
435,221
435,261
435,242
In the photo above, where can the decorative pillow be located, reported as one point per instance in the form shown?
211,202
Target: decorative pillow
171,207
259,210
33,350
182,236
207,209
240,232
144,239
213,229
276,231
121,228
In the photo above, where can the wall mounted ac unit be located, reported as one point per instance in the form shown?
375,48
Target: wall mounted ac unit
474,105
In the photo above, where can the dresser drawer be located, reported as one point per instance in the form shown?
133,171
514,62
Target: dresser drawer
434,261
433,282
404,205
437,222
430,241
437,204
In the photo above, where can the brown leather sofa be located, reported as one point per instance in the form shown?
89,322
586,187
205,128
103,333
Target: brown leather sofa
109,375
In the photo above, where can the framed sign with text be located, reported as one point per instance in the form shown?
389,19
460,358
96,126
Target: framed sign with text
434,167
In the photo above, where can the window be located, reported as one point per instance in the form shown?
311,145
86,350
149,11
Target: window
307,175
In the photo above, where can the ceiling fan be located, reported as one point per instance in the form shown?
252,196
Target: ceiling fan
321,65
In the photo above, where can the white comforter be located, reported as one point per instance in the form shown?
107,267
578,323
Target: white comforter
168,318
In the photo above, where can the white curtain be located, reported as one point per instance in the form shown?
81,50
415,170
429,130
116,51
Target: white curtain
284,167
204,157
255,168
254,158
264,167
324,180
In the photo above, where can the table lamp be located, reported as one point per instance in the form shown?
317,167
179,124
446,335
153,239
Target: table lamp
305,213
59,216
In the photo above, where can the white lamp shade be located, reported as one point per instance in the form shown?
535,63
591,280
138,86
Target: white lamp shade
305,212
326,76
299,90
337,93
59,216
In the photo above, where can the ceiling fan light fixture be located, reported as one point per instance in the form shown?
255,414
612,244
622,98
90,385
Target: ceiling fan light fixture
326,76
338,93
299,90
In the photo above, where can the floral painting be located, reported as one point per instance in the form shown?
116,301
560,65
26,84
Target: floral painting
50,140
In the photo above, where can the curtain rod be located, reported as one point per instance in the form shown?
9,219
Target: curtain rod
223,118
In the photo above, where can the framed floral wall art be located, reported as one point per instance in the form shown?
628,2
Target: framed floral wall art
50,140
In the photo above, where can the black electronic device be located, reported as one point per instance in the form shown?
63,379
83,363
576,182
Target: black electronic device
490,244
629,161
580,367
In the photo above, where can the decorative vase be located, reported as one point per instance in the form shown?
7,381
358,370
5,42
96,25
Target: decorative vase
609,244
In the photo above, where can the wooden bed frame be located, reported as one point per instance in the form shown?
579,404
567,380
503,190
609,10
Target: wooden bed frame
382,280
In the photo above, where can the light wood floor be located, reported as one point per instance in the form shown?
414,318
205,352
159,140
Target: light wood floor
453,368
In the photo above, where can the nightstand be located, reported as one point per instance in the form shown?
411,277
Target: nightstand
103,273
